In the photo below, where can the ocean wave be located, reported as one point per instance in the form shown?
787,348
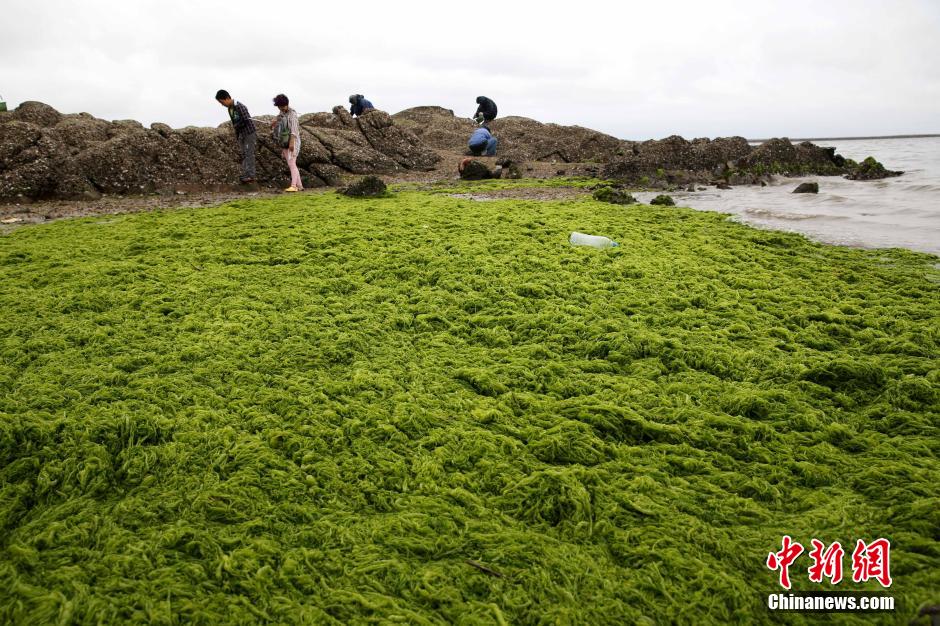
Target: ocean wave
920,188
790,217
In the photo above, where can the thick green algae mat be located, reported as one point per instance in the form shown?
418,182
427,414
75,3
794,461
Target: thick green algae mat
318,410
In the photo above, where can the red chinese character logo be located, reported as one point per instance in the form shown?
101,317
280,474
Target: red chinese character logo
872,561
783,559
826,563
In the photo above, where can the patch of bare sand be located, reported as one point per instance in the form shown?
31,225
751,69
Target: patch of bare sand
13,215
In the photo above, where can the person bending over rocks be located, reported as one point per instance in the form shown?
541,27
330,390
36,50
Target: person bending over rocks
286,128
245,133
486,111
359,105
481,141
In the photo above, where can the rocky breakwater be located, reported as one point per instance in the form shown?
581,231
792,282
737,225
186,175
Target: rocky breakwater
45,154
676,162
668,163
520,138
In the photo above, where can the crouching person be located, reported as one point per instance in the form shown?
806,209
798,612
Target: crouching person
482,142
359,105
486,111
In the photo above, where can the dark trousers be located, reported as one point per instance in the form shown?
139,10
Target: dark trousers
247,145
489,147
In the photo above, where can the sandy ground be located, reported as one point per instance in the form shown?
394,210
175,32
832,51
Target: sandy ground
13,215
43,210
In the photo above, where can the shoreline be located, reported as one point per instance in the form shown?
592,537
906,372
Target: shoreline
526,189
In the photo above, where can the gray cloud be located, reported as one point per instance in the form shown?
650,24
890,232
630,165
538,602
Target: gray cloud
698,69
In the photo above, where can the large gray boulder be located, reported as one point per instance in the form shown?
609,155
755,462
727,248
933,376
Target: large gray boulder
37,113
366,187
869,169
400,145
712,153
471,169
773,152
807,188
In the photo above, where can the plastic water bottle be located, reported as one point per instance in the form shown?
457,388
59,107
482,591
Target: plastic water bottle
594,241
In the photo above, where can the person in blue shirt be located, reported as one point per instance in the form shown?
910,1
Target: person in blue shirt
359,105
482,141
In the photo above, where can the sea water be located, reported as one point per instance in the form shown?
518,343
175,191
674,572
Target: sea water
902,212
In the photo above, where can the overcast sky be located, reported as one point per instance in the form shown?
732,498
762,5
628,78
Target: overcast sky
635,70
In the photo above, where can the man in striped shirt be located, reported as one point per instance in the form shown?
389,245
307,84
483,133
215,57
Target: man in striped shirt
245,133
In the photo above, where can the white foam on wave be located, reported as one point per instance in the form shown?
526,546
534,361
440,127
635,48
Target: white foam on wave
784,215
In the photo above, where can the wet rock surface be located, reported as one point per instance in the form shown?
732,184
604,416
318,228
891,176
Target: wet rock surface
870,169
726,161
366,187
675,160
613,195
807,188
471,169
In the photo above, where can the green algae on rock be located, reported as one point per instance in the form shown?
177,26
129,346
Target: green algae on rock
612,195
870,169
319,409
663,200
366,187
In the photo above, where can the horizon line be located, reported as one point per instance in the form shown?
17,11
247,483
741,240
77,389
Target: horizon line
919,136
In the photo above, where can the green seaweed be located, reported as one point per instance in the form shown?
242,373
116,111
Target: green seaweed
427,410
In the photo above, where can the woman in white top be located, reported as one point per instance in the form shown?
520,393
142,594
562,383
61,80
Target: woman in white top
287,135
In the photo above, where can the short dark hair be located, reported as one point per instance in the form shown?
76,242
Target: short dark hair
280,100
221,94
